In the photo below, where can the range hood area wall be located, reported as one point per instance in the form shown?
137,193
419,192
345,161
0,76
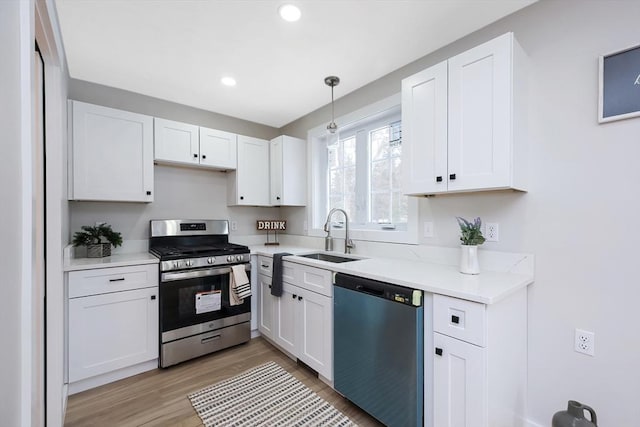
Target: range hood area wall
179,192
577,216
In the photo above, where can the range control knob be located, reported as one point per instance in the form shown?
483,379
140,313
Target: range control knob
238,257
211,260
229,258
188,263
176,264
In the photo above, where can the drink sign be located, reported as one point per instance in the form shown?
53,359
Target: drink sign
269,226
272,225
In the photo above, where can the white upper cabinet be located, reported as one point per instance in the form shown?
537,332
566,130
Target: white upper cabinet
288,171
111,154
184,144
218,148
461,120
249,183
176,142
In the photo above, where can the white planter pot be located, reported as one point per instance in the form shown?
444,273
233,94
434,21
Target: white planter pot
469,259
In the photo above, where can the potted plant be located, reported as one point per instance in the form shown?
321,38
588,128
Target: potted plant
98,240
470,236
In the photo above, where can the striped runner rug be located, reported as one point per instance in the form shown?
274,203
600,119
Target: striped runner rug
266,395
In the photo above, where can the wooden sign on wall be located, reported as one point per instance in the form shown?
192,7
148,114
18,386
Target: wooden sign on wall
271,225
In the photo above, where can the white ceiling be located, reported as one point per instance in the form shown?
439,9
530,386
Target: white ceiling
178,50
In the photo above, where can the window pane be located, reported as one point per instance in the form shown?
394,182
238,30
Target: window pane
349,180
336,202
380,207
396,174
336,181
334,156
379,144
380,175
400,207
349,152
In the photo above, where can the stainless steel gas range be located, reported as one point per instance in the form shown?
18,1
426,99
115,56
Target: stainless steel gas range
196,312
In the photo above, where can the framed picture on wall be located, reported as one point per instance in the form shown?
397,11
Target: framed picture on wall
619,96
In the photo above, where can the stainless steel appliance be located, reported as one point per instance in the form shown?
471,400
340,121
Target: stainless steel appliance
196,315
378,361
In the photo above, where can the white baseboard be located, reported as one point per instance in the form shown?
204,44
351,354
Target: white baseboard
255,334
529,423
110,377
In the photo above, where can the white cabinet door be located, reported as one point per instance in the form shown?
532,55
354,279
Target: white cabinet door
217,149
176,142
285,322
111,154
266,306
424,128
112,331
480,108
275,155
249,184
315,331
459,383
288,162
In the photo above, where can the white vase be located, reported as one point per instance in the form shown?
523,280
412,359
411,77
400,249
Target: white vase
469,259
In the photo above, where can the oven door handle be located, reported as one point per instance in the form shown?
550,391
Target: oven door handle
182,275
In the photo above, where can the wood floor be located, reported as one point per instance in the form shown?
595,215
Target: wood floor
159,397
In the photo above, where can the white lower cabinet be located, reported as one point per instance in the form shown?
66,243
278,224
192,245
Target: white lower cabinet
459,383
266,305
479,359
300,321
112,324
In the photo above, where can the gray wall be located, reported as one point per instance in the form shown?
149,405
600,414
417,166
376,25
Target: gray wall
179,192
10,224
579,214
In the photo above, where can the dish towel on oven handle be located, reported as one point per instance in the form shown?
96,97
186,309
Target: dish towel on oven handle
239,284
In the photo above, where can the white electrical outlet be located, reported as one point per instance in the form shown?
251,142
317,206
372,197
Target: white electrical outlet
428,229
585,342
234,225
491,232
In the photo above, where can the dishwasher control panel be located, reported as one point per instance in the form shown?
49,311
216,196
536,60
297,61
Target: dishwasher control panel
375,288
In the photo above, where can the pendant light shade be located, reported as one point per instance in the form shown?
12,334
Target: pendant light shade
332,81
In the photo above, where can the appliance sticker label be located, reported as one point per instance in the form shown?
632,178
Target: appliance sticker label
208,301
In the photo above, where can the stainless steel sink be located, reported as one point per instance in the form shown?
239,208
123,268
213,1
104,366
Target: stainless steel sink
329,258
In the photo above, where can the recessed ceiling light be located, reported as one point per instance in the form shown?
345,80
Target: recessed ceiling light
228,81
289,12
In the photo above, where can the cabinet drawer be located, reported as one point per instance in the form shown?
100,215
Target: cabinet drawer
105,280
309,278
460,319
265,265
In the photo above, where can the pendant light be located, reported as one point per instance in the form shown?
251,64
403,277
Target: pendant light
332,81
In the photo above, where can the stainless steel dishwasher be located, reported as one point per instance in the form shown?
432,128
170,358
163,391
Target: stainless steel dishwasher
378,334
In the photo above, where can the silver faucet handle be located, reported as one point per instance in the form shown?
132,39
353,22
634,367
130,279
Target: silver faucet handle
349,245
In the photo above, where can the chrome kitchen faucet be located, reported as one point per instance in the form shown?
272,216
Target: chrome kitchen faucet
328,240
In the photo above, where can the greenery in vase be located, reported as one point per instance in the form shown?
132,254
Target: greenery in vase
470,231
97,235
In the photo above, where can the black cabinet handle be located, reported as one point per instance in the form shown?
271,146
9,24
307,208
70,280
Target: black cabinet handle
295,296
269,286
455,319
438,179
299,298
438,351
148,193
278,198
195,156
204,156
452,176
241,197
153,297
117,280
264,266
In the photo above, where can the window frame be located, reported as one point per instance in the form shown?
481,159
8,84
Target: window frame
318,187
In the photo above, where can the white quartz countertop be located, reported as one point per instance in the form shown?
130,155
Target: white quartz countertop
488,287
119,260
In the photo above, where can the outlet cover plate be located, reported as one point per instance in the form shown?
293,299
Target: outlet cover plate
585,342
